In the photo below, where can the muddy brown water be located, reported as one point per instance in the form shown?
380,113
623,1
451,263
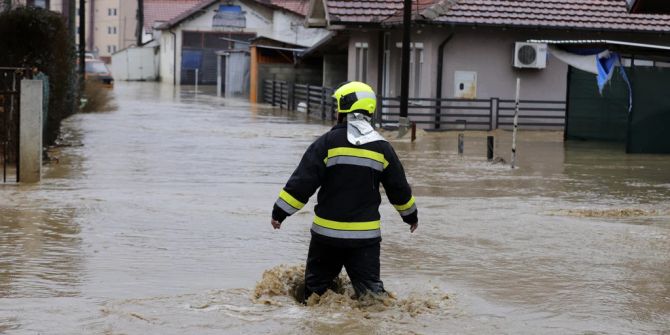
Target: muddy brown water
155,220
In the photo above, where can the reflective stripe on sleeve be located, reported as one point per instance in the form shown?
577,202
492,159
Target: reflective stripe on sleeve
356,152
407,208
352,234
408,211
290,200
285,206
349,226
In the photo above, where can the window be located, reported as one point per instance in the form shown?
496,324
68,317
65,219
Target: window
111,11
361,62
416,60
113,48
109,49
111,30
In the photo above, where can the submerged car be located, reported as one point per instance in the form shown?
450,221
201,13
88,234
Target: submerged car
98,70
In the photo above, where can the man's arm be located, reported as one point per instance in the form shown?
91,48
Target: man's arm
398,190
302,184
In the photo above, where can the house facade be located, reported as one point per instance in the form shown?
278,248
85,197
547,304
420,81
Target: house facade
196,39
465,49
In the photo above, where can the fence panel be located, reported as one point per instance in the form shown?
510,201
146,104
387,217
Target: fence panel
533,114
450,113
310,99
10,93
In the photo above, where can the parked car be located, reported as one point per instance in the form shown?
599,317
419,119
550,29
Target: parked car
98,70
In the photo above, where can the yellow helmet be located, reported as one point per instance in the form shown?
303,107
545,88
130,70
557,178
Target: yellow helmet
354,96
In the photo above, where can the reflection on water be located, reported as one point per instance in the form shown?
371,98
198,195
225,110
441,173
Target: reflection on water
154,220
39,253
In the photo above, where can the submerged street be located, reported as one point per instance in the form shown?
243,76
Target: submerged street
156,220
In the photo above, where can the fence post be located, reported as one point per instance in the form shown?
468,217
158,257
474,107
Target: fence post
438,113
324,96
491,114
307,107
30,149
323,100
290,96
273,93
281,95
494,113
489,148
460,144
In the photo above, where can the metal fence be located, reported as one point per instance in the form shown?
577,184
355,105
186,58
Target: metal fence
10,94
475,114
311,99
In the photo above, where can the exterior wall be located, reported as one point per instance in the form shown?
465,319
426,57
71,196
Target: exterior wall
167,56
372,39
332,70
492,58
288,27
260,20
135,64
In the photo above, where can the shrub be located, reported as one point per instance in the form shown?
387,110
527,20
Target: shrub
36,38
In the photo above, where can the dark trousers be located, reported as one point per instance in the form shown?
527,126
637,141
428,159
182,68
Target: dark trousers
324,263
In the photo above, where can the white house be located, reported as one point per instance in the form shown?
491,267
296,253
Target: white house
190,42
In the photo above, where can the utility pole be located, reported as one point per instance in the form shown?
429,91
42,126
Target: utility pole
140,22
82,41
403,123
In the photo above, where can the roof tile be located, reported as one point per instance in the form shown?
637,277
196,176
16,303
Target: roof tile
584,14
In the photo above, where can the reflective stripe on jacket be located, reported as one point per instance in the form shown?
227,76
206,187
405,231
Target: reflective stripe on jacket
347,210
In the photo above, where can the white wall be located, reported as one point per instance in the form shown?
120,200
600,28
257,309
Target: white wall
135,64
167,60
260,20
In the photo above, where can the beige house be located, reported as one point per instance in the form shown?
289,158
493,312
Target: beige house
467,49
110,24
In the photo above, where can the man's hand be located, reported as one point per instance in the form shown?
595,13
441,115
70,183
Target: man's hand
275,224
413,227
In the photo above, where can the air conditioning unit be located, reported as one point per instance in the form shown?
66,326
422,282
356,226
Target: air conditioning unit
530,55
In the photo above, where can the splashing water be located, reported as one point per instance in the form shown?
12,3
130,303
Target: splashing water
283,282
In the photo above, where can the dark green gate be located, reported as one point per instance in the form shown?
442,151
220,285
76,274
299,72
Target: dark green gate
592,116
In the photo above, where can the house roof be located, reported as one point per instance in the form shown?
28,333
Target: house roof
570,14
295,6
160,11
609,15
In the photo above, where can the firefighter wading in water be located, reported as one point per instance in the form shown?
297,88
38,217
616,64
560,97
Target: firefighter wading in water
347,163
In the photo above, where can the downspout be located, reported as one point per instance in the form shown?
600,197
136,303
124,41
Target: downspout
380,76
174,58
438,86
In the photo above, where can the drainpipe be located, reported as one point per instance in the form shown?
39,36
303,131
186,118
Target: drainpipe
438,86
174,58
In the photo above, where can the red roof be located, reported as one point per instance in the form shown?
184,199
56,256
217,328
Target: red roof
295,6
565,14
572,14
158,11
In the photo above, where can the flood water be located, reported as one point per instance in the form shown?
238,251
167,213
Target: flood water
155,220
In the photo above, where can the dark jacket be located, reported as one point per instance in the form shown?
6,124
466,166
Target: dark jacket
347,212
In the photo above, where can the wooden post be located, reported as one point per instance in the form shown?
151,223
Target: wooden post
489,148
460,144
253,75
413,131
